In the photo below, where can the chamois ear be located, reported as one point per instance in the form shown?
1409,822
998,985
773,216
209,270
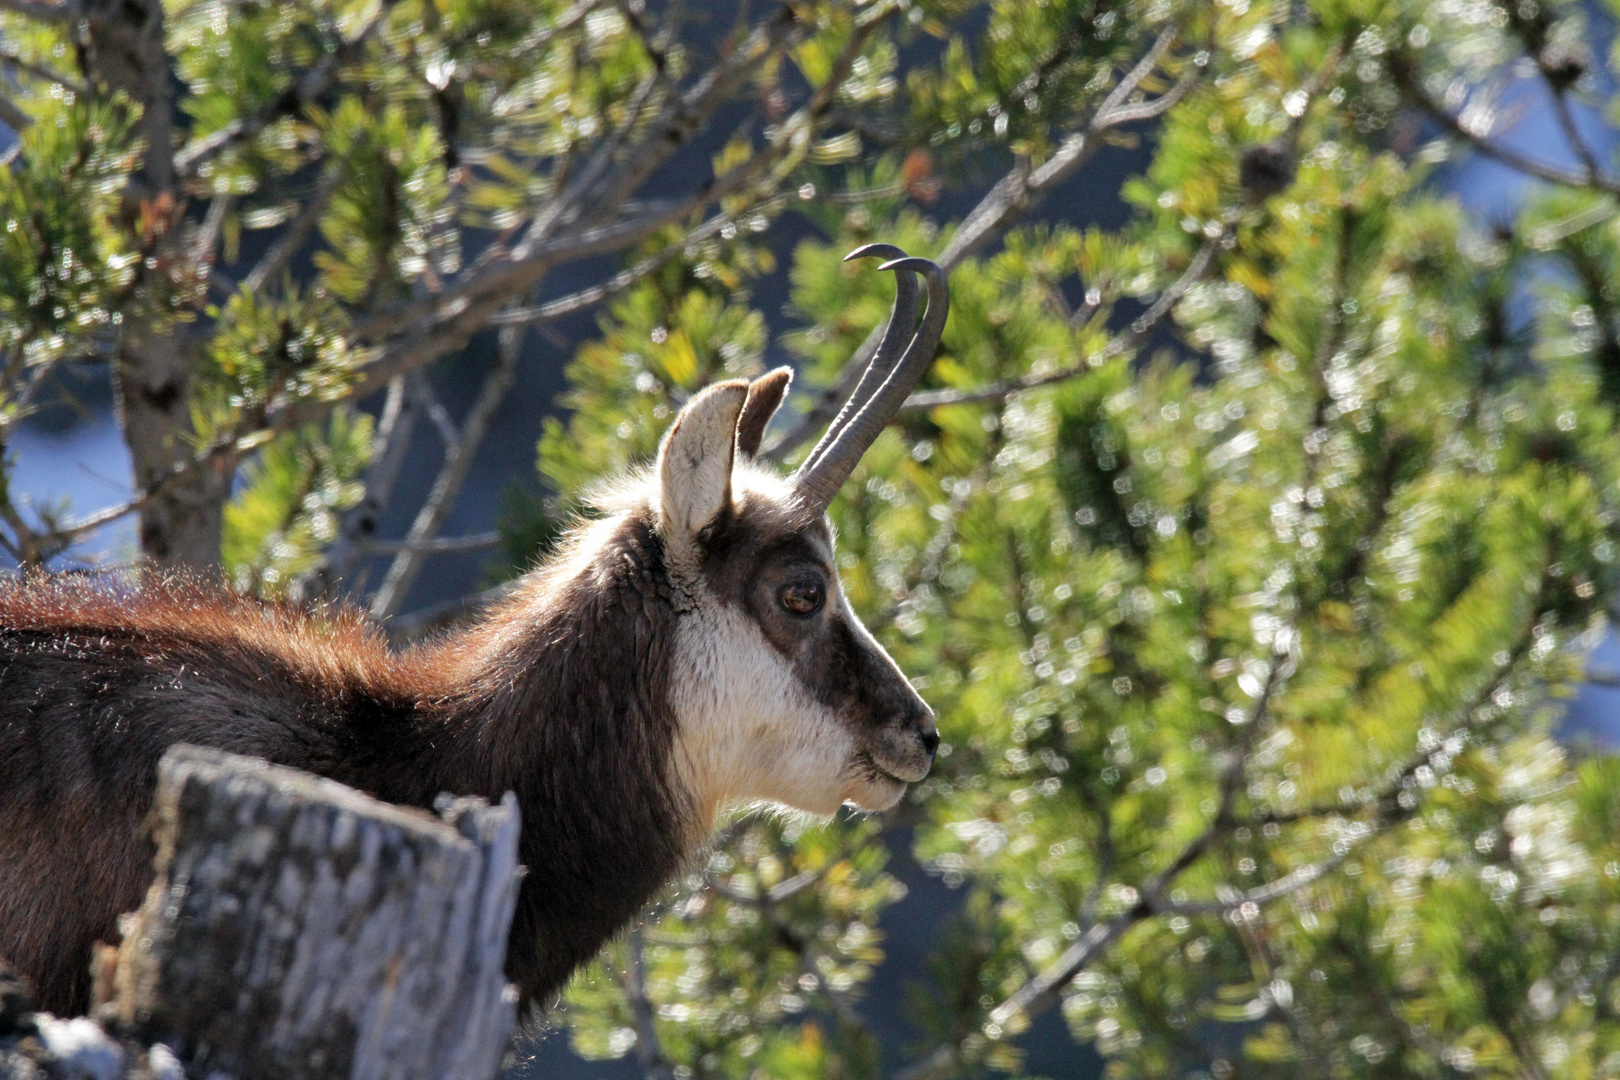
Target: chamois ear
765,395
694,462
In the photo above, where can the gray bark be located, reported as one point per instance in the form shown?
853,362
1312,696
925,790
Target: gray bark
299,928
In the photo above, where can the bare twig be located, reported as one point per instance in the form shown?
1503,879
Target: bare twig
49,74
23,400
416,625
1152,110
634,982
42,10
207,236
390,442
854,198
827,403
286,247
438,545
436,412
215,450
1248,901
564,306
12,115
563,23
1411,85
782,890
1572,134
682,116
458,459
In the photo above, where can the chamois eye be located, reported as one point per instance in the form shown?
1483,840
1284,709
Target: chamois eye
802,598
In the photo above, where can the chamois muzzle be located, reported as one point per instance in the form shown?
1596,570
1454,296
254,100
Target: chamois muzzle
895,368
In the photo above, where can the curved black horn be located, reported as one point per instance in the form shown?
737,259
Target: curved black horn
902,319
819,481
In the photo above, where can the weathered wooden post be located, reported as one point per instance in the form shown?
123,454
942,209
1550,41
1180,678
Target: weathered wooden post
299,928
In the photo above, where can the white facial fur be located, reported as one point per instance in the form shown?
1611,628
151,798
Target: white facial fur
747,728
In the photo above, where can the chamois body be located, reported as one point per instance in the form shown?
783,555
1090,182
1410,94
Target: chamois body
688,649
561,697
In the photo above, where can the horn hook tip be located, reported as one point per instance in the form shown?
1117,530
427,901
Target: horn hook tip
875,251
912,262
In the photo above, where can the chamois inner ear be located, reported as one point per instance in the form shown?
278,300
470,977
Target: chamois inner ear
694,462
765,396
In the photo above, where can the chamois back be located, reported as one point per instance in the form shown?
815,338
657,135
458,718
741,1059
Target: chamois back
560,695
97,679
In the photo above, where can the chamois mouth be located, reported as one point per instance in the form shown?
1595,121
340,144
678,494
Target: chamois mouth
874,788
874,772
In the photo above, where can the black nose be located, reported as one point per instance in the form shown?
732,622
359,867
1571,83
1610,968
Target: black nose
930,739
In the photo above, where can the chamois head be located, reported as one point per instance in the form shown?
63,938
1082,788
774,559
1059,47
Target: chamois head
780,693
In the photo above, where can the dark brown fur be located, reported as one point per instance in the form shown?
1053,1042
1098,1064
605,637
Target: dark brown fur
561,697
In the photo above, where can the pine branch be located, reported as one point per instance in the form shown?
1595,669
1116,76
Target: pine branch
468,305
1143,327
1043,990
1148,321
1019,191
413,339
291,102
618,167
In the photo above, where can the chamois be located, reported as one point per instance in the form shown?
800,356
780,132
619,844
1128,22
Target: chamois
687,649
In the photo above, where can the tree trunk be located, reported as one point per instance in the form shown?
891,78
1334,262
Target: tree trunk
299,928
183,524
155,364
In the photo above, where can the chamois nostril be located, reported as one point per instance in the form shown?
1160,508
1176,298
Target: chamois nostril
930,739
